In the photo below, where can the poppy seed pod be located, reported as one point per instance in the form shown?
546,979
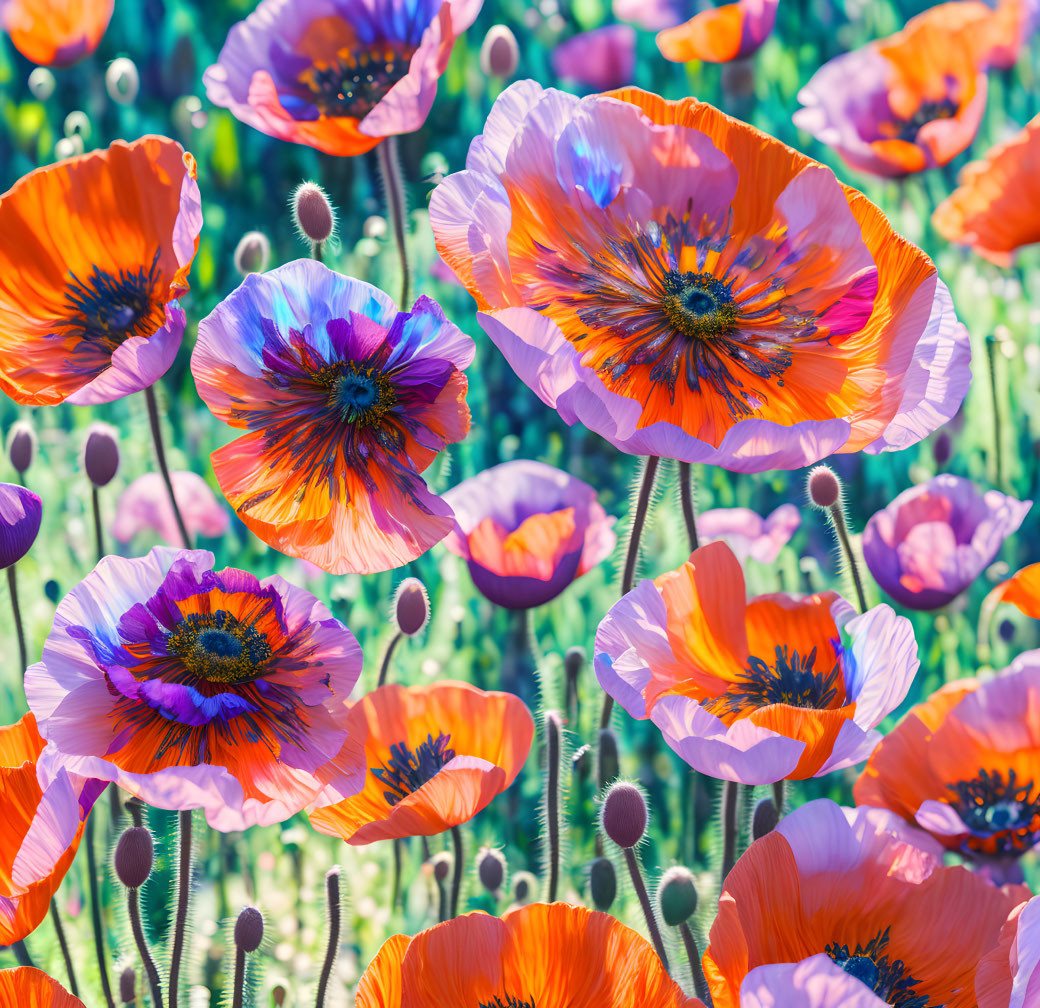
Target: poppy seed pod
249,929
525,885
491,868
134,857
101,454
823,487
677,896
764,818
21,445
442,864
252,253
127,986
411,607
312,212
624,814
499,52
602,883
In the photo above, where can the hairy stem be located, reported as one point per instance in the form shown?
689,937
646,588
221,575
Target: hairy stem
686,496
183,897
644,901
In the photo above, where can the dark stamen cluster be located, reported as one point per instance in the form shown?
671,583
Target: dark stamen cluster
362,395
888,978
509,1002
1006,815
220,648
357,81
407,771
907,129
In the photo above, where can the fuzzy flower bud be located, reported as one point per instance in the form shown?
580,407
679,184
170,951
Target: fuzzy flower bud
677,896
823,487
499,52
312,212
252,253
122,81
21,445
134,857
624,814
764,819
602,883
249,929
442,864
101,454
127,985
491,868
525,885
411,606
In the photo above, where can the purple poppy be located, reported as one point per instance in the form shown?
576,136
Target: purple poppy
20,514
527,530
933,540
749,534
601,59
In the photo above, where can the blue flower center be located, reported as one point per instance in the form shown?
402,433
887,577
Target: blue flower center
359,394
907,129
356,392
698,305
407,770
1003,814
219,648
219,643
888,978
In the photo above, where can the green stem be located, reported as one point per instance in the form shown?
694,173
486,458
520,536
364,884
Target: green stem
99,535
333,898
644,902
95,910
552,801
12,586
63,944
994,391
730,792
183,898
700,985
841,530
686,496
456,879
393,186
151,970
160,454
384,666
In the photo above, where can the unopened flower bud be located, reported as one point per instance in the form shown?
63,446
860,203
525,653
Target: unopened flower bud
442,863
942,448
764,819
41,83
411,606
249,929
624,814
134,857
1006,630
607,766
21,445
525,885
278,994
312,212
127,985
824,487
491,868
499,52
252,253
602,883
122,81
677,896
101,454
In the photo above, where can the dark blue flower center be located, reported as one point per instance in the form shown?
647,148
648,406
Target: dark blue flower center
359,394
355,82
698,305
1003,814
356,392
907,129
219,648
888,978
407,770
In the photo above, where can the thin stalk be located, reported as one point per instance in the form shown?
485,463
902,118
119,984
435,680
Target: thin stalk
59,930
183,897
21,954
778,797
136,809
99,535
730,794
644,901
95,910
332,897
552,800
994,391
700,985
393,186
12,586
395,890
133,905
384,666
628,577
841,530
318,251
160,454
456,878
238,989
686,496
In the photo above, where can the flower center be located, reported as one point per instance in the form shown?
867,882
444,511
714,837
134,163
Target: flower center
907,129
698,305
1003,815
887,978
355,82
790,679
219,648
407,771
361,395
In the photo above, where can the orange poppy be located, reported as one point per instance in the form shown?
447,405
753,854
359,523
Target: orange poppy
55,32
536,956
94,252
996,33
436,755
1023,590
32,988
720,34
996,209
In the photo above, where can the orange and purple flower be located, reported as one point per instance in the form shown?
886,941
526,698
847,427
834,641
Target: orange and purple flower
337,75
689,287
94,253
815,982
899,105
1009,975
600,59
346,400
997,32
55,32
526,531
20,514
720,34
195,688
144,506
781,687
934,539
747,533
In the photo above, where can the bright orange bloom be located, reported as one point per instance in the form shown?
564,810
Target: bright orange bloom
720,34
537,956
996,33
55,32
94,252
1023,590
32,988
436,755
996,209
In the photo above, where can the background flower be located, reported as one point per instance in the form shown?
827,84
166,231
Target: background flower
747,533
55,32
145,506
600,59
720,34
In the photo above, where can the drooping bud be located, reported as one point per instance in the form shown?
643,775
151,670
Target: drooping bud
249,929
411,606
252,253
764,819
525,885
134,857
491,868
602,883
823,487
624,814
499,52
21,445
127,986
122,81
312,212
20,514
607,765
442,864
677,896
101,454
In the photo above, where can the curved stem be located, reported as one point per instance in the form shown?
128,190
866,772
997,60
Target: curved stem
644,902
700,985
238,988
994,391
21,954
395,890
686,496
842,532
456,878
384,666
332,897
99,535
160,454
552,801
151,970
12,586
59,930
95,910
183,897
393,185
730,792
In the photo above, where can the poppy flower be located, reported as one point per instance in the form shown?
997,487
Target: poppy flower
997,33
691,288
144,506
653,15
749,534
20,514
43,814
526,531
337,75
1009,975
934,539
195,688
436,756
28,987
534,955
600,59
855,885
1023,590
94,253
55,32
898,105
781,687
965,765
345,400
720,34
996,208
